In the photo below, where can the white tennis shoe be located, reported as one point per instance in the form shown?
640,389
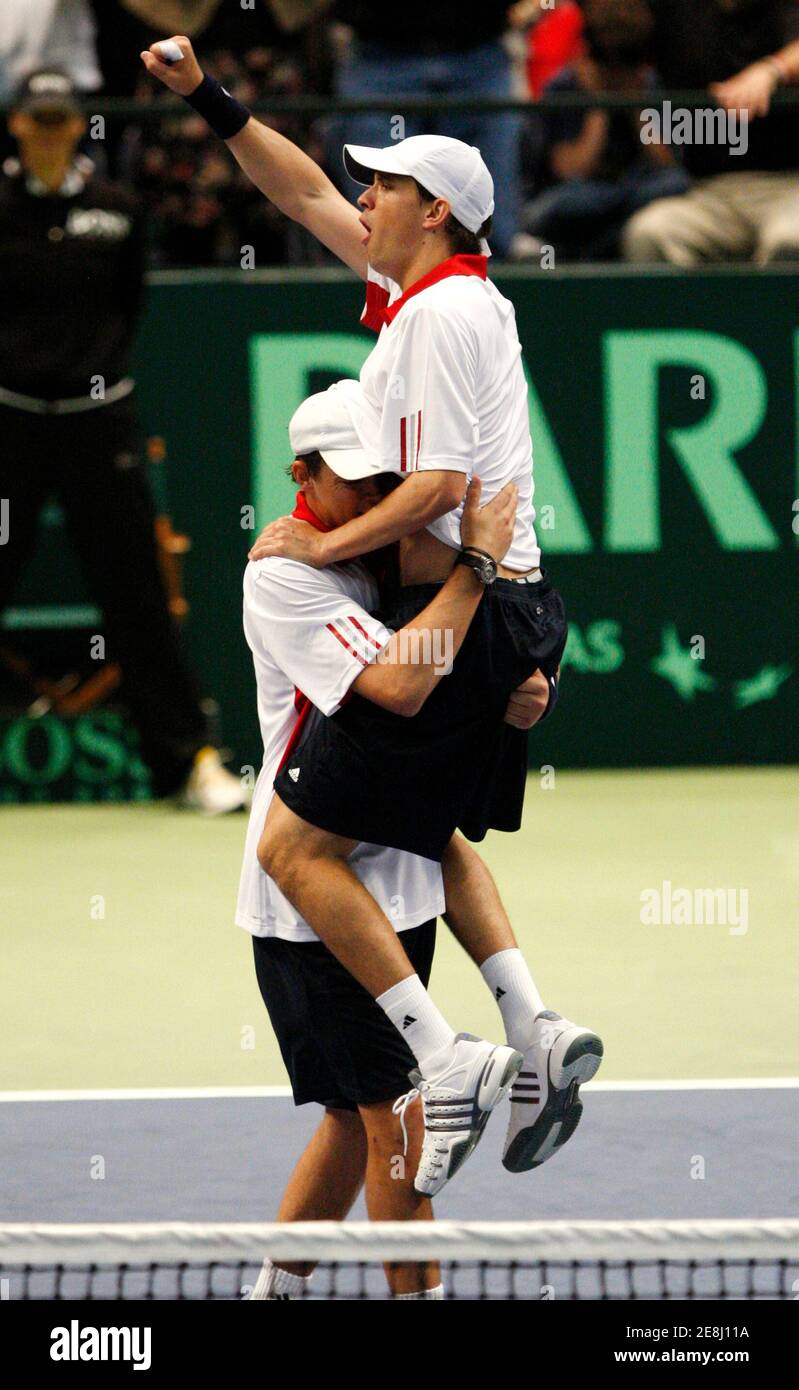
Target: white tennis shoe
211,789
545,1108
456,1104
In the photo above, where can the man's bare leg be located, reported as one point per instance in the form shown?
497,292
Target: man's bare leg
310,866
475,914
477,919
311,869
348,1148
390,1194
329,1173
558,1055
326,1180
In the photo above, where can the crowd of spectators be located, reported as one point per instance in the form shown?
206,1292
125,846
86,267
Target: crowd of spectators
579,179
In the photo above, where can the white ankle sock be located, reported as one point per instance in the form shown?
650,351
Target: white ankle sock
509,979
414,1014
437,1292
275,1283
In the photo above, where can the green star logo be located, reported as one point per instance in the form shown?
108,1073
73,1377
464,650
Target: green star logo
677,665
764,686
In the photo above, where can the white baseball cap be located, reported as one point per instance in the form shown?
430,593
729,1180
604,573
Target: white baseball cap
447,168
327,423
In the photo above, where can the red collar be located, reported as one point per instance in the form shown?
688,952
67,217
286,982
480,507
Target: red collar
303,512
377,310
455,265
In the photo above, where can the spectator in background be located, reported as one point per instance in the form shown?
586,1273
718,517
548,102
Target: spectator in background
125,27
745,205
44,33
437,48
554,37
552,33
604,171
71,285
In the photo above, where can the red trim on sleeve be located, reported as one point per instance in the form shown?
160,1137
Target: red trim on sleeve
346,644
403,452
362,630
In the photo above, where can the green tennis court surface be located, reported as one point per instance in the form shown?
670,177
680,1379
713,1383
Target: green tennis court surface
128,971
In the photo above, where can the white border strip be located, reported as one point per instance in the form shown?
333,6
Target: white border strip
721,1083
153,1093
755,1083
143,1243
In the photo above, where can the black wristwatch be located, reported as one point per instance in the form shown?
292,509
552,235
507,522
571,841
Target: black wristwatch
483,564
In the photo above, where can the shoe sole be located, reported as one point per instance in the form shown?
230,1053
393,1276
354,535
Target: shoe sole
465,1147
563,1111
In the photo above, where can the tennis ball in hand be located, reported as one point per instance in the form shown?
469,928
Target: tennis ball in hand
170,52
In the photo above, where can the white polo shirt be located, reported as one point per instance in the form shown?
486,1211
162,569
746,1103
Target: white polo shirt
445,388
311,634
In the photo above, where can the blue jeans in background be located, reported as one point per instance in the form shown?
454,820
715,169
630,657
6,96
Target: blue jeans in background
373,70
584,217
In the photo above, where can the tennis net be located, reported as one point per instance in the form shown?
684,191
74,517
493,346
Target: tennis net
540,1260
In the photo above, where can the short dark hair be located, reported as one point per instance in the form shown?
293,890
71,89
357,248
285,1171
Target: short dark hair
462,241
313,462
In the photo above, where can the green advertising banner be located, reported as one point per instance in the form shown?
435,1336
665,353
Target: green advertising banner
664,423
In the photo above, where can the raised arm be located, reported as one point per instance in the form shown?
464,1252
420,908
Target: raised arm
287,176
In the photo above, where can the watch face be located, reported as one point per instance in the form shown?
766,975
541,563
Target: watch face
484,567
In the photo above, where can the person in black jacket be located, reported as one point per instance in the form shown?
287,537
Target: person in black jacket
71,281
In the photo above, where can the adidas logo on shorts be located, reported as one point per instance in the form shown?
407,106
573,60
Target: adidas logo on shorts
408,1020
294,773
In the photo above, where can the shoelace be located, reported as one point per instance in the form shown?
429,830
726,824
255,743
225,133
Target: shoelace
398,1108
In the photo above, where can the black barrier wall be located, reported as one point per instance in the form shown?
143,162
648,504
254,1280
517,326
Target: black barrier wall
663,414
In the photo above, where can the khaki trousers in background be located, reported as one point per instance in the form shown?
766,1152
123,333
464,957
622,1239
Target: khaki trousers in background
749,216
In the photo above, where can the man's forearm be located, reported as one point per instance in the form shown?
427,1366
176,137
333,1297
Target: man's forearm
300,188
282,171
580,158
415,659
787,62
420,500
293,181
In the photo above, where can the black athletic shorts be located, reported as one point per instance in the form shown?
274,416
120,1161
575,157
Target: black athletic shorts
339,1047
371,775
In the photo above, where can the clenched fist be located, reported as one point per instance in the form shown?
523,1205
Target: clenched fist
183,77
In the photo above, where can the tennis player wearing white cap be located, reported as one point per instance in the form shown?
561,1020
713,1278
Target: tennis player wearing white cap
446,401
314,640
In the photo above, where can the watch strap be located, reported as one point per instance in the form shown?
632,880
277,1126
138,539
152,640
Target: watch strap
475,550
479,561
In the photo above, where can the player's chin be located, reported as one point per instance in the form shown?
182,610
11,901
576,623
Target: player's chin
377,260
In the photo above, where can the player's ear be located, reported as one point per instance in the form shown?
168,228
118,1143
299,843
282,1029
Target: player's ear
299,472
436,214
